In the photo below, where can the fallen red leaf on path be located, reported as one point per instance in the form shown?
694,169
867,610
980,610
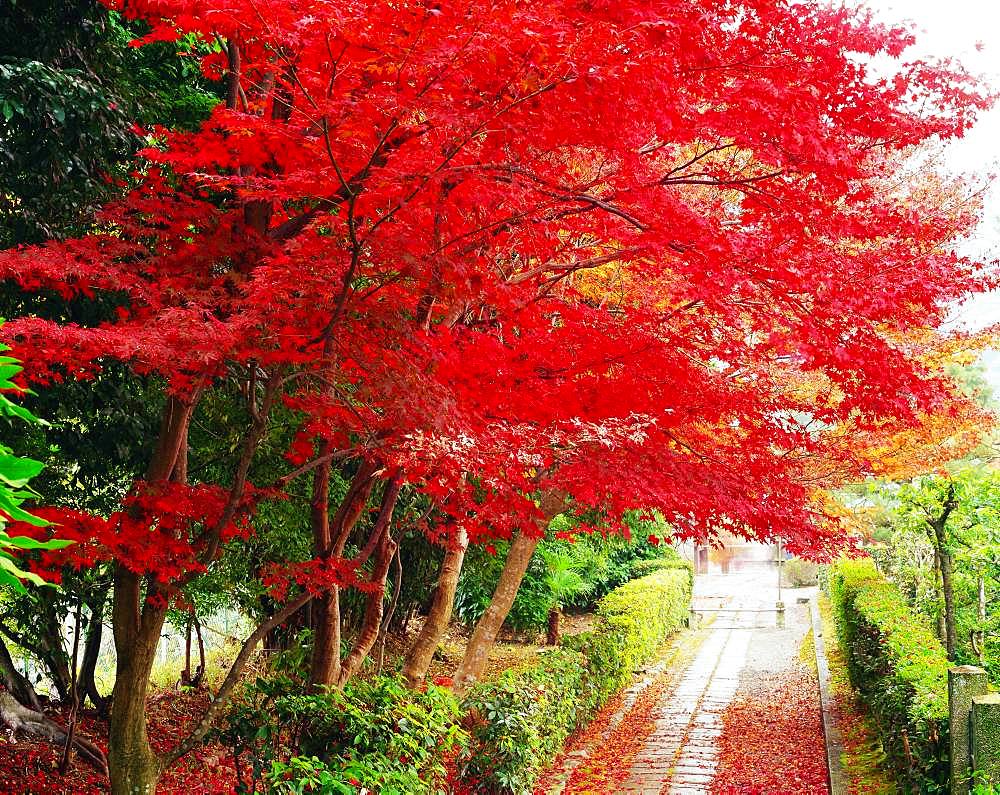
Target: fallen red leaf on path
772,741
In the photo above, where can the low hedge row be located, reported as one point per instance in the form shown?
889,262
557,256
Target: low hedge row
524,716
898,666
632,622
643,568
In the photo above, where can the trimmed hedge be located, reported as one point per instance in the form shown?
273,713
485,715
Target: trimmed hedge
633,621
643,568
526,715
900,669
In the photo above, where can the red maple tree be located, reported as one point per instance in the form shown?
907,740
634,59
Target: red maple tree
522,257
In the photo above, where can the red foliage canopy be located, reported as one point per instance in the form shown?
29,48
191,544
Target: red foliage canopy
582,246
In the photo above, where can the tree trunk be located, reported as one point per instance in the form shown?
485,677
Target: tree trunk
373,612
325,664
15,681
325,667
133,766
137,622
51,651
329,539
397,586
948,587
418,658
485,634
186,670
384,548
92,652
74,711
940,539
200,673
555,619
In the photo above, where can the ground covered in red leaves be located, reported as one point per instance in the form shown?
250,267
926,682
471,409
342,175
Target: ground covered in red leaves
31,766
612,747
772,741
609,763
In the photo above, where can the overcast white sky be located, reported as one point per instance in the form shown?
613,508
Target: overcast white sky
968,30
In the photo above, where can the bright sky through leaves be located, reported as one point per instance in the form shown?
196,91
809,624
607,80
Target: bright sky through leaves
970,31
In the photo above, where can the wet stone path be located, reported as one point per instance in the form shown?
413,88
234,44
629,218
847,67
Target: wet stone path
680,755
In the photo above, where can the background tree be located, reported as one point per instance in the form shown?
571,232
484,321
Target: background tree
74,92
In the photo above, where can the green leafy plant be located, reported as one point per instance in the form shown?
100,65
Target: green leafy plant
633,621
375,734
15,475
521,720
602,562
565,583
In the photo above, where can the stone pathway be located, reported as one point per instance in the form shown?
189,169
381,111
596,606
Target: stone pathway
738,661
680,755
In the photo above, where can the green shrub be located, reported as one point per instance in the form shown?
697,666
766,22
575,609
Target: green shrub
799,573
900,669
522,719
374,734
524,716
603,562
478,581
671,560
633,621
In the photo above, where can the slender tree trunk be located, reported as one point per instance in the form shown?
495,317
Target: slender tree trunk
555,620
418,658
134,768
939,526
67,753
92,652
384,548
373,612
522,547
200,673
325,666
51,651
329,539
948,587
397,586
485,634
186,670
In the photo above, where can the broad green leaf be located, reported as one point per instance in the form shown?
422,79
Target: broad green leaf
24,542
16,471
12,568
12,508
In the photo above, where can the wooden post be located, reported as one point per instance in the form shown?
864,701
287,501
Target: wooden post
965,682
